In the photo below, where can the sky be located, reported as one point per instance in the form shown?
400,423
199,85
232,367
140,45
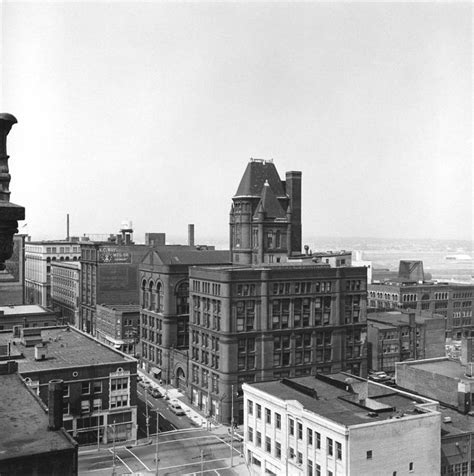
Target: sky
150,112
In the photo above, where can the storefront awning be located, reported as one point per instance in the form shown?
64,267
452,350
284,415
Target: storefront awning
155,370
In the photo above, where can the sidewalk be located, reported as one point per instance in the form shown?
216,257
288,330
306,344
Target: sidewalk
175,394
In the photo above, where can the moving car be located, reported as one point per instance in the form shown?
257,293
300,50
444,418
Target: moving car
176,408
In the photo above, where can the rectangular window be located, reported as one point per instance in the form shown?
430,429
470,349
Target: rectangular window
338,450
300,431
85,406
318,470
292,427
259,411
250,434
410,467
268,416
268,444
318,440
277,450
250,407
97,387
258,442
66,390
330,446
86,388
369,454
278,420
310,437
299,459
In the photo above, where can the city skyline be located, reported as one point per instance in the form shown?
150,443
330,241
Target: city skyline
178,97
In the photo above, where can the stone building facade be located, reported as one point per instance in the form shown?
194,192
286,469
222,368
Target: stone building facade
250,324
164,316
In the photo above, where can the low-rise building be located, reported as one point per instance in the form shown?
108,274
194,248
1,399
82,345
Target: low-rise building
395,336
338,425
28,315
32,440
65,290
99,382
118,326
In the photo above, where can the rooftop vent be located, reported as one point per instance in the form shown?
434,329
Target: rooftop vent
40,352
447,419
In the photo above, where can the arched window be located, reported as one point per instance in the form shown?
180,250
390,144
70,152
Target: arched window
144,295
182,298
152,296
159,297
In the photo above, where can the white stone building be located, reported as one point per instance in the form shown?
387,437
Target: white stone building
339,425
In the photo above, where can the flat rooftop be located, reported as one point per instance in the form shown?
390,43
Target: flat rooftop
24,422
26,309
122,307
459,423
443,366
65,349
336,403
401,318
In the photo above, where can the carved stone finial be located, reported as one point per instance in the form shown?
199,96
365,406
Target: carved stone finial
9,212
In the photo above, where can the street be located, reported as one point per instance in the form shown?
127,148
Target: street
168,420
181,452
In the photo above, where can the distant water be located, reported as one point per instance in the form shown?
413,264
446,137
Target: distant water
386,253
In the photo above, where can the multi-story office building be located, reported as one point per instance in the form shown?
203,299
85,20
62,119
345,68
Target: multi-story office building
275,313
109,275
164,299
65,290
395,336
28,315
99,382
338,425
249,324
12,279
454,301
38,258
118,326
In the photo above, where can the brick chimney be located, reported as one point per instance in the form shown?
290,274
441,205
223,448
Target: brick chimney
55,404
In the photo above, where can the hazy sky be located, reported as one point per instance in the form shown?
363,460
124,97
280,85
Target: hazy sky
151,111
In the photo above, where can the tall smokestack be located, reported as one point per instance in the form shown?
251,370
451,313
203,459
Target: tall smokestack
191,234
67,227
55,404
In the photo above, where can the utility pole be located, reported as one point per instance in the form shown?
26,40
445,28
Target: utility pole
232,426
98,426
202,462
157,433
147,416
113,461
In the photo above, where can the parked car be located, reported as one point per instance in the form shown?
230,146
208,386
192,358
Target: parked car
379,377
176,408
154,392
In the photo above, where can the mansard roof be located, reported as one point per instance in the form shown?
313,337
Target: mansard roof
269,204
255,175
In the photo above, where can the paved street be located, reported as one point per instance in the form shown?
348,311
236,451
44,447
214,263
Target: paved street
181,452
